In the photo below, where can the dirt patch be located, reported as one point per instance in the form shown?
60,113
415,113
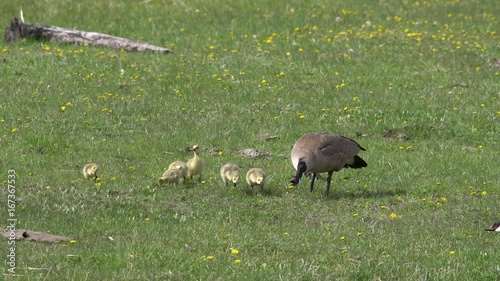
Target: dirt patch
24,234
389,134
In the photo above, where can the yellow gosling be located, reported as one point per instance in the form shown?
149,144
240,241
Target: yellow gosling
230,173
181,166
256,176
195,165
170,176
90,171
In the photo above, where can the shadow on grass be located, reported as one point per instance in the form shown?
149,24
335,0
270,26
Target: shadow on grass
267,192
346,194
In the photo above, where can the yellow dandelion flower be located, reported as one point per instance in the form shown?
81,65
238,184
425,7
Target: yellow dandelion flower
452,252
63,108
345,251
147,219
210,257
221,153
237,261
302,117
483,193
14,130
342,238
48,187
203,181
73,241
394,216
234,251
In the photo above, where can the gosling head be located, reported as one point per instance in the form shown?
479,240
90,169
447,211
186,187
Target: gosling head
259,180
162,180
196,148
93,170
235,179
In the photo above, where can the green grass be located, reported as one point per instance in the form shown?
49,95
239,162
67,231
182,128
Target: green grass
240,69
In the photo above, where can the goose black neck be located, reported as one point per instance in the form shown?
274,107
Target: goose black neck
301,169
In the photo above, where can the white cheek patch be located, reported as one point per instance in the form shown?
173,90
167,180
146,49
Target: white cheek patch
295,162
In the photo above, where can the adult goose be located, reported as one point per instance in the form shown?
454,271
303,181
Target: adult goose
324,153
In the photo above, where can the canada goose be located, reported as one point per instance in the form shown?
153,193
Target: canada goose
195,165
181,166
495,227
256,176
170,176
90,171
323,152
230,173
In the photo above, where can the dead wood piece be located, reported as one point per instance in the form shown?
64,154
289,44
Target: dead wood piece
252,153
267,137
19,30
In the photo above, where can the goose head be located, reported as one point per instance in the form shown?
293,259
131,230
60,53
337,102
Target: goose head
495,227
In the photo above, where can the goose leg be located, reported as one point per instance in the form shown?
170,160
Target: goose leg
328,182
313,177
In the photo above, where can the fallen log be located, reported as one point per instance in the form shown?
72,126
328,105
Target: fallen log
20,30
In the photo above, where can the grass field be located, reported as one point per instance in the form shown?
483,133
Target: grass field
414,82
